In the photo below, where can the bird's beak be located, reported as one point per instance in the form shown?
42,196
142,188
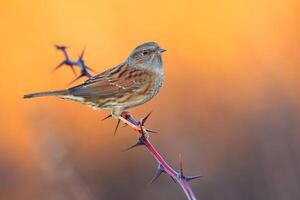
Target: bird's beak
161,50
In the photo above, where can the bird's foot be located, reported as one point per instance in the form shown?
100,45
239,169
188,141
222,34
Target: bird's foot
137,125
129,120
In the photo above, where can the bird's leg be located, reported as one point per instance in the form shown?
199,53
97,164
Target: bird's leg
129,120
138,126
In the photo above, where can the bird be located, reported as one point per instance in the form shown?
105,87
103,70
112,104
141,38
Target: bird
130,84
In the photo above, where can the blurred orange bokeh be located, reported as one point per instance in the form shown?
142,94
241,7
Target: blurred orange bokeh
230,98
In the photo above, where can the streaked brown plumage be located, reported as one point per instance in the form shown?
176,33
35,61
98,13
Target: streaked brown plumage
131,83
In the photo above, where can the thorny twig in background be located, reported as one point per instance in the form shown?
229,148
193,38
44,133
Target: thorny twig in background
79,63
143,133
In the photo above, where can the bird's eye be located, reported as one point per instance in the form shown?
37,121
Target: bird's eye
145,53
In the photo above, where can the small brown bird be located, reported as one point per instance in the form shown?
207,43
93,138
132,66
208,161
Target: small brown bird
131,83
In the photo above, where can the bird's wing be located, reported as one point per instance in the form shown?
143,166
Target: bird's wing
113,82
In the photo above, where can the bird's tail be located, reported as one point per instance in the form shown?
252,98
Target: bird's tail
48,93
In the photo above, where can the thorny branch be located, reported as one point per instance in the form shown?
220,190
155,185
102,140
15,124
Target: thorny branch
163,166
139,127
78,63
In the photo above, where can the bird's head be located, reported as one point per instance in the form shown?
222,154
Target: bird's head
147,56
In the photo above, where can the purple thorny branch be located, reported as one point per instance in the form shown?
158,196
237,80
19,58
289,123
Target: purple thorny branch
78,63
138,126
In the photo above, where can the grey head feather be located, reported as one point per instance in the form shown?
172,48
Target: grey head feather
146,56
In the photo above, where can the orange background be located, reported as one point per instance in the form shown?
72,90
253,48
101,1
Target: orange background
230,101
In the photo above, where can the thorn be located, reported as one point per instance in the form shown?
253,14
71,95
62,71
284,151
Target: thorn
82,54
60,47
189,178
138,143
180,165
159,171
84,72
67,61
173,179
109,116
124,125
58,66
78,77
83,68
80,61
90,68
73,69
150,130
118,123
63,49
143,121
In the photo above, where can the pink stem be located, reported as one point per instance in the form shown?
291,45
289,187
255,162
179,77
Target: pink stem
182,180
169,170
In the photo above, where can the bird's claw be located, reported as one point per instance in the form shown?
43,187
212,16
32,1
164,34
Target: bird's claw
138,126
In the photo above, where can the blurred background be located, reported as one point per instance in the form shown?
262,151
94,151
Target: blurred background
230,101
